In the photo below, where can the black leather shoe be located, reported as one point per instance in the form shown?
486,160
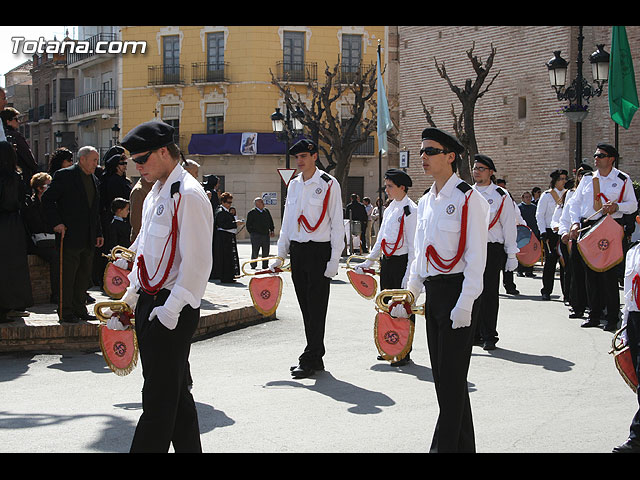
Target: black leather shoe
630,446
610,327
590,323
546,296
576,315
401,363
85,316
489,346
513,291
302,372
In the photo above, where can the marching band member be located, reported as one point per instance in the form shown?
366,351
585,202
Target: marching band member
544,214
450,256
501,247
395,242
167,283
631,338
312,233
606,191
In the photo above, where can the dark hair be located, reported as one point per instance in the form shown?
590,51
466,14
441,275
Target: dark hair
118,203
61,154
8,114
226,197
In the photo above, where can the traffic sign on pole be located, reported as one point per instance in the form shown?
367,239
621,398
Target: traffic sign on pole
286,174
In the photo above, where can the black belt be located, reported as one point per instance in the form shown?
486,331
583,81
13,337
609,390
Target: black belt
444,277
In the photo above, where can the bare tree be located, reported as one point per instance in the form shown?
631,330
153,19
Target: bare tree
337,137
463,124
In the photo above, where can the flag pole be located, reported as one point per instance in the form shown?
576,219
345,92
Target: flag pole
379,161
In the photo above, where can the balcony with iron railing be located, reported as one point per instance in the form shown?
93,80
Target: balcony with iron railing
297,71
43,112
166,75
205,72
92,42
99,101
349,73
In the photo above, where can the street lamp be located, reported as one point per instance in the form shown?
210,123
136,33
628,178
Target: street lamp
115,132
579,89
286,129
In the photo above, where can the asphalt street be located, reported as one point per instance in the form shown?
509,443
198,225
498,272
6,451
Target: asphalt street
549,387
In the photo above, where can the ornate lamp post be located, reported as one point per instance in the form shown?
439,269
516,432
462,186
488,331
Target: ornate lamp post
286,129
580,90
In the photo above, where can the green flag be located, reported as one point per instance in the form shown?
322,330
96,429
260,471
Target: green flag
623,96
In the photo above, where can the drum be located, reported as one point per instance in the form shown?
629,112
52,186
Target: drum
601,245
623,362
529,245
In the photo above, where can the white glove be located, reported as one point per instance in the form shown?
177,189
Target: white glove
398,311
363,266
332,268
415,288
277,263
114,323
512,264
460,317
122,263
130,298
168,318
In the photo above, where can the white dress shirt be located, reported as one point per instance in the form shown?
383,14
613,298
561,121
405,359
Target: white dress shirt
546,206
561,215
610,186
190,271
439,224
390,228
505,230
306,198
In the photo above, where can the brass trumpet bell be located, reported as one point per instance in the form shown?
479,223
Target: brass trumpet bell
120,252
283,268
386,297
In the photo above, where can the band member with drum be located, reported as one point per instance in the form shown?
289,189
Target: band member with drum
312,233
450,246
606,191
631,336
501,247
395,243
544,214
167,283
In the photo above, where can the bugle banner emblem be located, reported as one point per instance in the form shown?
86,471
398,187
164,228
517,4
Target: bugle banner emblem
266,286
364,283
119,347
115,279
393,336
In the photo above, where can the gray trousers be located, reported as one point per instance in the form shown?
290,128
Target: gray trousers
260,241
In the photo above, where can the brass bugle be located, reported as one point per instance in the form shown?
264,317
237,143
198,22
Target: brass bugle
115,307
283,268
121,252
352,257
616,342
397,296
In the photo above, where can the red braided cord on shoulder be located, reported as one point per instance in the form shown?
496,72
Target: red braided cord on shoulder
495,219
398,243
635,285
446,265
302,219
143,274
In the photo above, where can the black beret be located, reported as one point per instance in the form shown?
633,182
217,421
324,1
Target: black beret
116,150
485,161
148,136
610,149
585,167
449,142
302,146
399,177
556,173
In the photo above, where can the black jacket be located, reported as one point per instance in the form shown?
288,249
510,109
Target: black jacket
66,202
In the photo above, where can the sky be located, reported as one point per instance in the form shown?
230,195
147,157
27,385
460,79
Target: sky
9,60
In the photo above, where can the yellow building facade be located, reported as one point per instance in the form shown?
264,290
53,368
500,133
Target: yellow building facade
213,83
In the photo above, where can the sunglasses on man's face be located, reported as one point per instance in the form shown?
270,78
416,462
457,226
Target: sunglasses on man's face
431,151
142,159
600,155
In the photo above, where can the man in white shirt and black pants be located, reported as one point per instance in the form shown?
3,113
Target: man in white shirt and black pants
616,198
312,234
450,256
501,247
167,283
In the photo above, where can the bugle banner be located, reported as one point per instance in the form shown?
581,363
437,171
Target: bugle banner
393,336
119,347
115,279
364,283
266,286
623,362
529,245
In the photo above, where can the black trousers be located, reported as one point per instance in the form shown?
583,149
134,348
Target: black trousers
578,287
603,292
489,298
169,412
450,355
308,264
392,271
565,277
551,259
633,340
77,265
260,241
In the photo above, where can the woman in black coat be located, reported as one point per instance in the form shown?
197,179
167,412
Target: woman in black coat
225,250
15,282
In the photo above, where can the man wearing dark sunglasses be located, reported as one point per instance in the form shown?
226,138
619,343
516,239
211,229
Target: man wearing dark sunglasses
450,246
616,198
167,283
